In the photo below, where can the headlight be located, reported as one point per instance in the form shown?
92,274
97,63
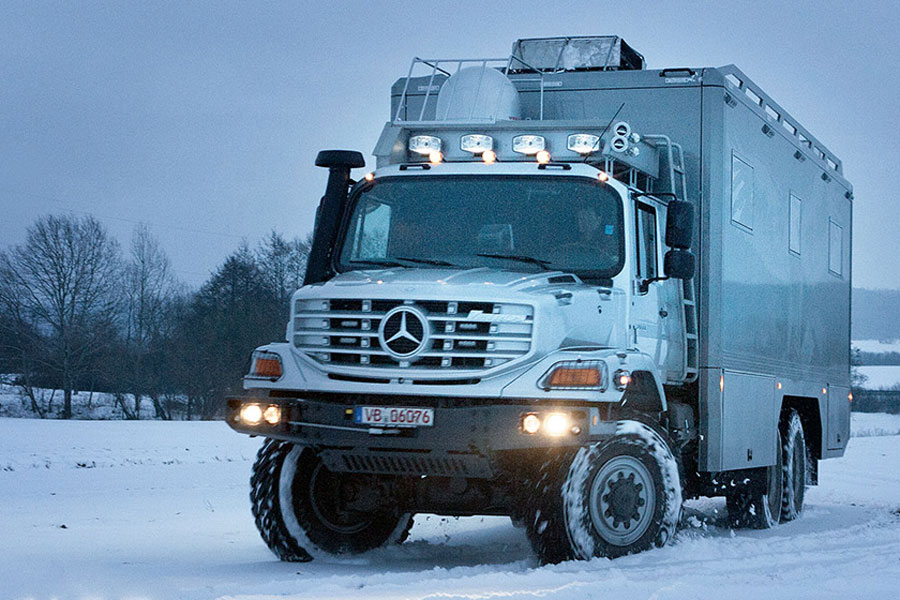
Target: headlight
554,424
251,414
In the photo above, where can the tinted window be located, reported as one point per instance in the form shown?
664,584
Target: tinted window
569,223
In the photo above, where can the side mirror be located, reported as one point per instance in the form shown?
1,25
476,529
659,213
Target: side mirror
679,224
679,264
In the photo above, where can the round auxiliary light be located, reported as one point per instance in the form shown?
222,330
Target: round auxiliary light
531,424
556,424
476,143
528,144
435,157
489,156
251,414
583,143
272,414
370,176
543,157
603,176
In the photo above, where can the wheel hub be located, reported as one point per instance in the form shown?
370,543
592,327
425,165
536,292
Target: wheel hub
622,500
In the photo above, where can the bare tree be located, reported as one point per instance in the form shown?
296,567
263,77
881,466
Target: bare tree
59,286
149,289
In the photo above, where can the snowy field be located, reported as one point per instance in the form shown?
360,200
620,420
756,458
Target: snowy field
113,509
876,345
880,377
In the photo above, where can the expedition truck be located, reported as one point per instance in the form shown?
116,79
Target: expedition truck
575,292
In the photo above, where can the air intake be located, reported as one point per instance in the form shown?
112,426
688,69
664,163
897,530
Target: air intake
585,53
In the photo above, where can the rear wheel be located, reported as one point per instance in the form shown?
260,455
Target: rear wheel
758,505
303,510
793,456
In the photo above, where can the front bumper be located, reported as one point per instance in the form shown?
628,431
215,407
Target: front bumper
469,437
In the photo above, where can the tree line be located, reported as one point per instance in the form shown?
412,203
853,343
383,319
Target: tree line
79,313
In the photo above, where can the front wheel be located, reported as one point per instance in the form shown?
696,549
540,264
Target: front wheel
303,510
617,497
624,495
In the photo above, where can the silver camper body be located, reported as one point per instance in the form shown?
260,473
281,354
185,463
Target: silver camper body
772,233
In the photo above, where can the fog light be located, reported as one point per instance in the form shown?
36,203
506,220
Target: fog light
272,414
543,157
435,157
556,424
531,423
251,414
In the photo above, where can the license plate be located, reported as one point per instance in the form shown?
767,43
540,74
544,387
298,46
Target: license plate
394,416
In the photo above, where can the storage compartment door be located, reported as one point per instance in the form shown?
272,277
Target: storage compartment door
838,417
749,421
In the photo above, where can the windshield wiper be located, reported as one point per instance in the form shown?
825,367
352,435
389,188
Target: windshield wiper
426,261
377,263
544,264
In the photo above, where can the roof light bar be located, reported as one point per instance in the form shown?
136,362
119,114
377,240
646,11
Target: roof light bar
529,144
424,144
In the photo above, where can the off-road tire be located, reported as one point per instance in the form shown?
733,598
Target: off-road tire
794,466
639,467
566,526
544,520
291,522
758,505
265,505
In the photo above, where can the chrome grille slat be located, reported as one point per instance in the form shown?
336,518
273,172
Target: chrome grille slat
470,340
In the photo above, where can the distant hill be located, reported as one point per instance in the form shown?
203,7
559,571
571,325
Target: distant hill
875,314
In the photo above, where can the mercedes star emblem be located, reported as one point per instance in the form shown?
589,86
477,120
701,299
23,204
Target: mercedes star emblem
403,332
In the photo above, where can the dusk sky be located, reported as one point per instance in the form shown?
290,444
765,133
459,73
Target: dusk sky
203,119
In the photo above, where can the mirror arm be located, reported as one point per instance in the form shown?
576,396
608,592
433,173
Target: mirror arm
644,285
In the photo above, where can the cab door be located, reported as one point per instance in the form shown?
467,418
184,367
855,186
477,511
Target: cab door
648,311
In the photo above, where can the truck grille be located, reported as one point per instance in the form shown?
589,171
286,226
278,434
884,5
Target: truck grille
444,336
406,463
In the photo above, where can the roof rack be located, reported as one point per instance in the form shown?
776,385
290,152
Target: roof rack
789,125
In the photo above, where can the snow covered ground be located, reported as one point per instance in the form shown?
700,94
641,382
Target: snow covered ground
880,377
115,509
876,345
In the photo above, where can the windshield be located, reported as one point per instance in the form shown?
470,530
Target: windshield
521,223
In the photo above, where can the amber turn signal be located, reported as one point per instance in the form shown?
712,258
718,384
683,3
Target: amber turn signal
564,377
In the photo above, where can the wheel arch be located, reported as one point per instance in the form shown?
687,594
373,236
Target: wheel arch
811,417
644,394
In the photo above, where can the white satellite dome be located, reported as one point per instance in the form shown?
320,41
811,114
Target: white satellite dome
478,94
